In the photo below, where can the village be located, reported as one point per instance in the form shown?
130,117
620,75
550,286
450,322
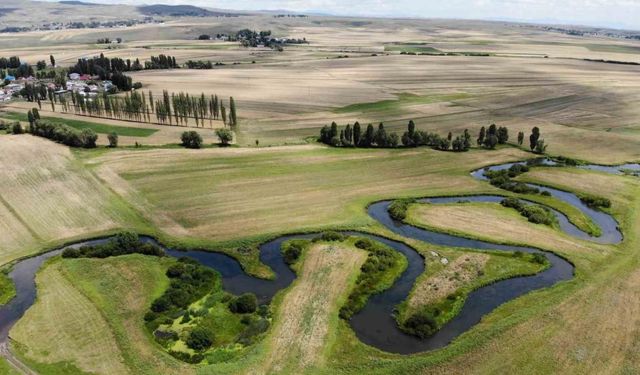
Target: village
82,84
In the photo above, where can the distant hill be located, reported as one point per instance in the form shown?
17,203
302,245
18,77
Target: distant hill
178,11
75,2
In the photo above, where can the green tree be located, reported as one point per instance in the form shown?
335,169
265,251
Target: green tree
520,138
89,138
534,137
381,136
491,141
199,339
113,139
53,60
225,136
232,112
191,139
481,136
356,134
503,135
540,148
244,304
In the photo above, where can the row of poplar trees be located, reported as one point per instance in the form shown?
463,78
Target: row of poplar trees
169,109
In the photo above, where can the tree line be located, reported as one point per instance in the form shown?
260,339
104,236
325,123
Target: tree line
59,132
169,109
355,136
104,67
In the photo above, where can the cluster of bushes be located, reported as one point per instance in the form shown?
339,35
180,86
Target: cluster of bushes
594,201
291,251
121,244
534,213
64,134
374,275
14,127
354,137
191,139
502,180
398,208
190,281
494,136
246,303
422,323
330,236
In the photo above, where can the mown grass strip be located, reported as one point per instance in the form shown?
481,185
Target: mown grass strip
125,131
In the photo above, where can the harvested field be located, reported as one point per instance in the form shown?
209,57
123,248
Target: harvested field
309,310
47,197
324,187
76,331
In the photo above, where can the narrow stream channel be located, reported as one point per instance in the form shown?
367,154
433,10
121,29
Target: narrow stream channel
374,324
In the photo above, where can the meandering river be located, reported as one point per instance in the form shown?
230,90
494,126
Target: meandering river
374,324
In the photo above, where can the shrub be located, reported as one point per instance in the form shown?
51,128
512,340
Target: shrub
244,304
16,128
398,208
254,329
200,339
191,139
595,201
539,258
330,236
121,244
225,136
113,139
291,252
421,324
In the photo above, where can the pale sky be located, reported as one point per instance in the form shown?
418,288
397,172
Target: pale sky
609,13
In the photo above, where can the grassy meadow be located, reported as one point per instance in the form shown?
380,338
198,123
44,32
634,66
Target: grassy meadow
231,199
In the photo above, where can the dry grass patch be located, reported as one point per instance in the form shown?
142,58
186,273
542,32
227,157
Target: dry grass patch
456,274
68,327
301,335
47,196
492,222
242,192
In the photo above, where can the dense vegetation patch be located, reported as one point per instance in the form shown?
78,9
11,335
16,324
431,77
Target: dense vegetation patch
7,289
121,244
398,208
534,213
195,319
503,180
382,267
428,319
594,201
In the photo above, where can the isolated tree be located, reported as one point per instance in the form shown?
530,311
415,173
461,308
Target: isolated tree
113,139
225,136
534,137
481,136
520,138
191,139
53,60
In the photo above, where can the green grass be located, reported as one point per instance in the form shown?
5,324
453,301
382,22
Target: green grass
6,368
410,48
125,131
7,289
501,266
404,99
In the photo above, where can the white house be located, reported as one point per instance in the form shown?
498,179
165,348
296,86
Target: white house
74,76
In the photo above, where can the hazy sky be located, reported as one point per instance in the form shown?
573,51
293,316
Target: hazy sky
610,13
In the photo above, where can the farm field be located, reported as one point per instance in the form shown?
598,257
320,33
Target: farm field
324,259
